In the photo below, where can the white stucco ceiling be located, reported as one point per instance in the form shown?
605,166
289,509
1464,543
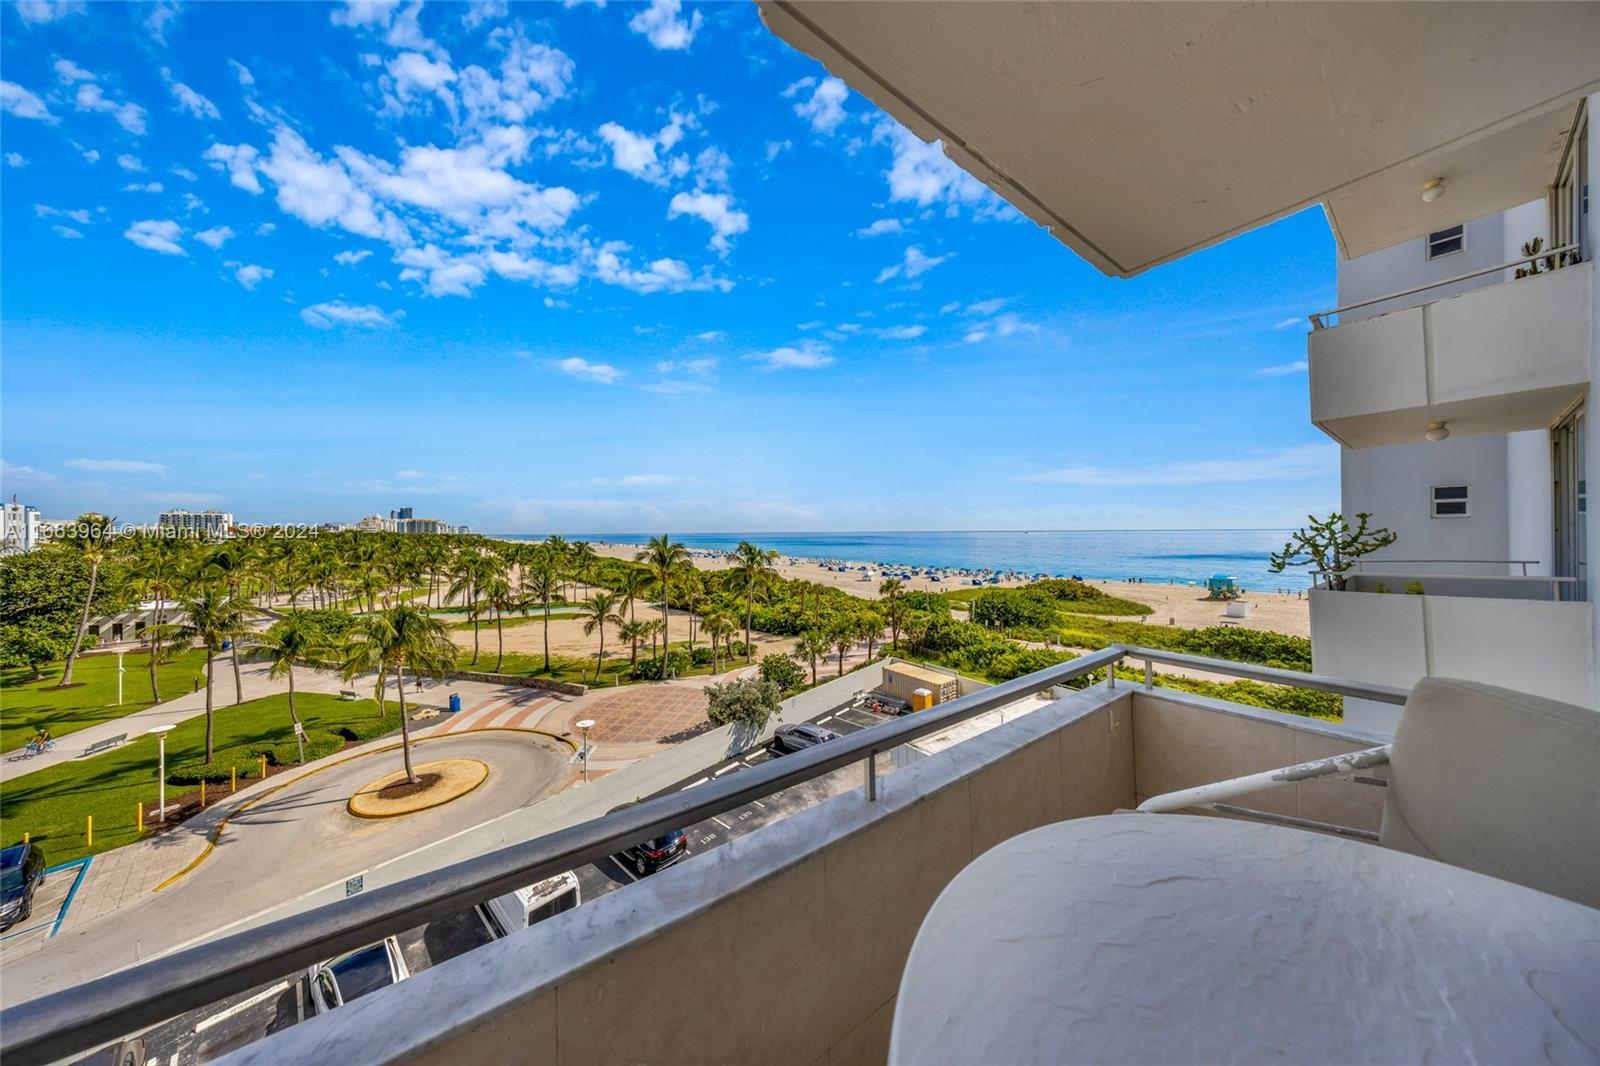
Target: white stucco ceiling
1141,132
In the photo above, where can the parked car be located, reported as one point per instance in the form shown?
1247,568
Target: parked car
21,874
354,974
792,738
523,907
658,853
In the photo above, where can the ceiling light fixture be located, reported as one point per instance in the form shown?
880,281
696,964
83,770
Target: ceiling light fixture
1437,431
1432,190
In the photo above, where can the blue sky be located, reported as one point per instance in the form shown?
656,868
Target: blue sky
597,268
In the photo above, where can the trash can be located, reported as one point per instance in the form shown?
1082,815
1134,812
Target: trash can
455,703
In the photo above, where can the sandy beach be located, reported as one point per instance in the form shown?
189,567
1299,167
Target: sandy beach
1181,605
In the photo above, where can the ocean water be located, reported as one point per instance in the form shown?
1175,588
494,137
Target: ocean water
1157,555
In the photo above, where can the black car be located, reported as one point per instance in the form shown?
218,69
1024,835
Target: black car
655,854
21,872
792,738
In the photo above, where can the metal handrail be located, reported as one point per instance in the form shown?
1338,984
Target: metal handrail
1317,317
89,1015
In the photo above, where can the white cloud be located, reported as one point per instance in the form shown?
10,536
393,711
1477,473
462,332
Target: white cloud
185,173
14,471
250,275
637,153
70,72
148,186
600,373
378,13
15,100
351,258
1283,370
661,275
913,264
711,336
79,215
1006,325
776,148
531,76
1290,464
266,229
194,103
986,307
216,237
117,466
880,227
716,210
824,109
242,72
68,232
91,97
922,174
321,192
48,10
130,162
808,355
661,24
157,235
239,162
409,475
193,203
339,313
481,11
16,159
416,75
440,273
160,13
902,333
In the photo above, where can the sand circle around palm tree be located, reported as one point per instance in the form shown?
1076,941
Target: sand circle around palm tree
437,783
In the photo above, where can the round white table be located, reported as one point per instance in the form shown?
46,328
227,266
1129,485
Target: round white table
1171,938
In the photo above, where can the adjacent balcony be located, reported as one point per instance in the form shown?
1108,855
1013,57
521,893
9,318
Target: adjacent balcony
1498,359
1532,634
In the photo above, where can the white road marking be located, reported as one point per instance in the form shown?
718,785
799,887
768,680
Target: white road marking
731,766
624,868
243,1005
758,803
720,822
702,781
825,719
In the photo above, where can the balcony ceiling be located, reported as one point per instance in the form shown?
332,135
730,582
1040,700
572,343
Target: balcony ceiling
1138,133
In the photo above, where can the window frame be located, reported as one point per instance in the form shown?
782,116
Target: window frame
1465,500
1428,242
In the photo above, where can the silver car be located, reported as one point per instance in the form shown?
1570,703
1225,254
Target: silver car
354,974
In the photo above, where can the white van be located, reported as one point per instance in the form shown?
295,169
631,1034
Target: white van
523,907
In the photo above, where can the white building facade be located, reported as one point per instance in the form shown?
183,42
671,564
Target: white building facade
1459,392
19,527
207,523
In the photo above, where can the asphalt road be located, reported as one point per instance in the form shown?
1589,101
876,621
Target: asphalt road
214,1030
291,843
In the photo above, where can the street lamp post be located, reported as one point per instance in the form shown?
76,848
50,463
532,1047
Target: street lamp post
120,671
586,725
161,732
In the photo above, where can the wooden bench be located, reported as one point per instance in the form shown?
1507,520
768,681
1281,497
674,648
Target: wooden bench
104,745
348,694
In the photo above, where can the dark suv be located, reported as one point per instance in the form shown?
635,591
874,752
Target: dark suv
792,738
647,857
21,872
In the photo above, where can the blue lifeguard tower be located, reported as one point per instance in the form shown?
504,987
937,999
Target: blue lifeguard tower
1222,587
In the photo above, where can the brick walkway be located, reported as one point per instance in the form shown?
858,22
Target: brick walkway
643,714
509,709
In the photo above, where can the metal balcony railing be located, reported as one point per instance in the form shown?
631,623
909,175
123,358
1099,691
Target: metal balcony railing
108,1008
1319,318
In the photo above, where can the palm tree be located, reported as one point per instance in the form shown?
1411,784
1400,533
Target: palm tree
694,598
581,561
719,626
213,616
471,570
295,637
754,567
812,646
891,589
234,564
541,578
496,592
599,612
397,638
154,573
664,558
633,631
92,536
634,583
868,627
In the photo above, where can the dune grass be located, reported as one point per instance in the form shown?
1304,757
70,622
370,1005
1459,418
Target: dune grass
27,705
51,805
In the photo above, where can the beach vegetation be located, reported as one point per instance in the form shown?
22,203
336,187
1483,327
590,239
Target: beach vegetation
783,671
750,701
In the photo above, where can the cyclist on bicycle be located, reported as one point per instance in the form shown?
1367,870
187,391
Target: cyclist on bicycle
41,739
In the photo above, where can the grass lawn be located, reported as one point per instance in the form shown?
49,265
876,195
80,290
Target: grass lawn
581,670
51,805
31,704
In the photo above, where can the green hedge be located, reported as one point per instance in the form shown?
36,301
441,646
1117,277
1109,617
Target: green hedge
370,728
246,759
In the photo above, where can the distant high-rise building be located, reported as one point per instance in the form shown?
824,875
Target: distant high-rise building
207,523
401,514
19,527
